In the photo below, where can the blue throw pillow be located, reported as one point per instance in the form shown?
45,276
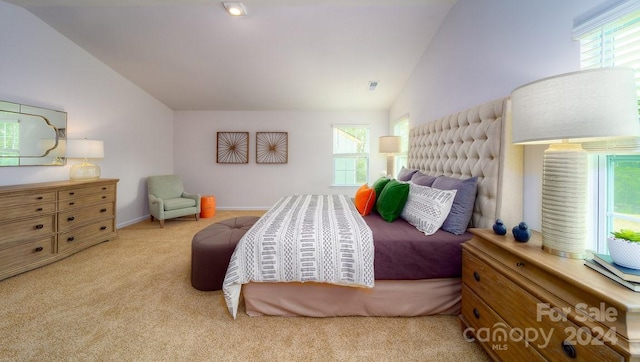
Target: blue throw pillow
462,208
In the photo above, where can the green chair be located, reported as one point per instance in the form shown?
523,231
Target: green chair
167,198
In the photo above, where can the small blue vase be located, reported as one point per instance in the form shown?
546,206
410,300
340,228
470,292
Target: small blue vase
521,232
499,227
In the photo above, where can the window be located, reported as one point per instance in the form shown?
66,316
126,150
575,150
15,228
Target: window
350,155
401,128
612,38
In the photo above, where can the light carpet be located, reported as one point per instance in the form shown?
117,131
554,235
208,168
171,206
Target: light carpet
131,299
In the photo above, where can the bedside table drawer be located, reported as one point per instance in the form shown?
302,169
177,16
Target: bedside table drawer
544,327
488,327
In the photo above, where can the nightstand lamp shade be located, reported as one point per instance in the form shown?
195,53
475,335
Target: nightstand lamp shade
85,149
389,145
565,110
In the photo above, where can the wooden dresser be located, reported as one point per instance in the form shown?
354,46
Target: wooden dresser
43,222
522,303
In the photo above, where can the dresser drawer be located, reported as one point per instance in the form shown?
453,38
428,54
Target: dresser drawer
23,199
80,192
546,328
498,337
76,217
27,229
20,256
85,200
28,210
86,236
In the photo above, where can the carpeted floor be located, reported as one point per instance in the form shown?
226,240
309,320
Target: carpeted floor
131,300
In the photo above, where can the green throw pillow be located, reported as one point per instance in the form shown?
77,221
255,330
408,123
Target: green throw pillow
392,199
379,186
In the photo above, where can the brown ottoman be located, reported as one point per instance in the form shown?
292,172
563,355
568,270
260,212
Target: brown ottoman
211,250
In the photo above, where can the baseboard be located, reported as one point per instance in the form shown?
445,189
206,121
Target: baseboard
131,222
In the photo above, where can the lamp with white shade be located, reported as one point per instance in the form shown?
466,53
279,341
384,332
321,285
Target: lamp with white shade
85,149
389,145
564,111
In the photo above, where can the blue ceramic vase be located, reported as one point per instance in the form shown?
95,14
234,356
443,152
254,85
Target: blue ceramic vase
499,227
521,232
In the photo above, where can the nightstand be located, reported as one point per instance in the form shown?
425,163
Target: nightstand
520,302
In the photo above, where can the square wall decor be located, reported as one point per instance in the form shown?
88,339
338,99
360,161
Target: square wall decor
272,147
233,147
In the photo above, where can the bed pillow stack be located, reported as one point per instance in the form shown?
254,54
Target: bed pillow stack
426,202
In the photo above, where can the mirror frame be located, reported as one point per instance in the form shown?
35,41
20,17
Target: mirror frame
56,120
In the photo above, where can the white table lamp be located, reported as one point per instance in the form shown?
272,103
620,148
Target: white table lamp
563,111
389,145
85,149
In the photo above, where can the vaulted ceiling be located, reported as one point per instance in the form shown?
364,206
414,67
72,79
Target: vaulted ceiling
284,55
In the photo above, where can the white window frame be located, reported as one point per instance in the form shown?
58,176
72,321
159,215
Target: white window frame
355,155
608,37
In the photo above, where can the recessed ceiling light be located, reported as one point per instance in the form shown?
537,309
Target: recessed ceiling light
235,9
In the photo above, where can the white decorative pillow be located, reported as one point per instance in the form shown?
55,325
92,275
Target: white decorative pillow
427,208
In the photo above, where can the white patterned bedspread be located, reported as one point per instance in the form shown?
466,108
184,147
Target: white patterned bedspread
319,238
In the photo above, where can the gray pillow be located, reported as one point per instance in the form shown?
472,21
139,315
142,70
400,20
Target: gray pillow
405,174
421,179
462,208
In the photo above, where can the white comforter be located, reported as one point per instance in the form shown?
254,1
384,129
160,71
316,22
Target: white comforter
319,238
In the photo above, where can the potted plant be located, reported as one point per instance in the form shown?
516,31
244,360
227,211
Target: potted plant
624,248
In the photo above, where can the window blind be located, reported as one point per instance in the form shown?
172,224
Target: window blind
612,39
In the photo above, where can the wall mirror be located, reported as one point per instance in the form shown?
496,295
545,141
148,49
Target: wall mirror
31,136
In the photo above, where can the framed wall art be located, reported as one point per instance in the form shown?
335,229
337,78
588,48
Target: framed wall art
233,147
272,147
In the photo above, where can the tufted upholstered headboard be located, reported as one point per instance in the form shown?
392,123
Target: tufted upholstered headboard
475,142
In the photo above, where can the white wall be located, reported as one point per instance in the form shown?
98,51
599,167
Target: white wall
483,50
259,186
40,67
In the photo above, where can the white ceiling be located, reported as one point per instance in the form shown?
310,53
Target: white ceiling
285,55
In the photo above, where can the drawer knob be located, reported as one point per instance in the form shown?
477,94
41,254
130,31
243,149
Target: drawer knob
476,313
38,249
71,238
104,187
476,276
39,198
520,264
103,210
72,193
39,209
104,197
569,349
72,203
103,228
39,226
71,218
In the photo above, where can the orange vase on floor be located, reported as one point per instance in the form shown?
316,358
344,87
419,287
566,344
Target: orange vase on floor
207,206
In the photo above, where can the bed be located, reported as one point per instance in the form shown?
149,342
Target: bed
407,280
